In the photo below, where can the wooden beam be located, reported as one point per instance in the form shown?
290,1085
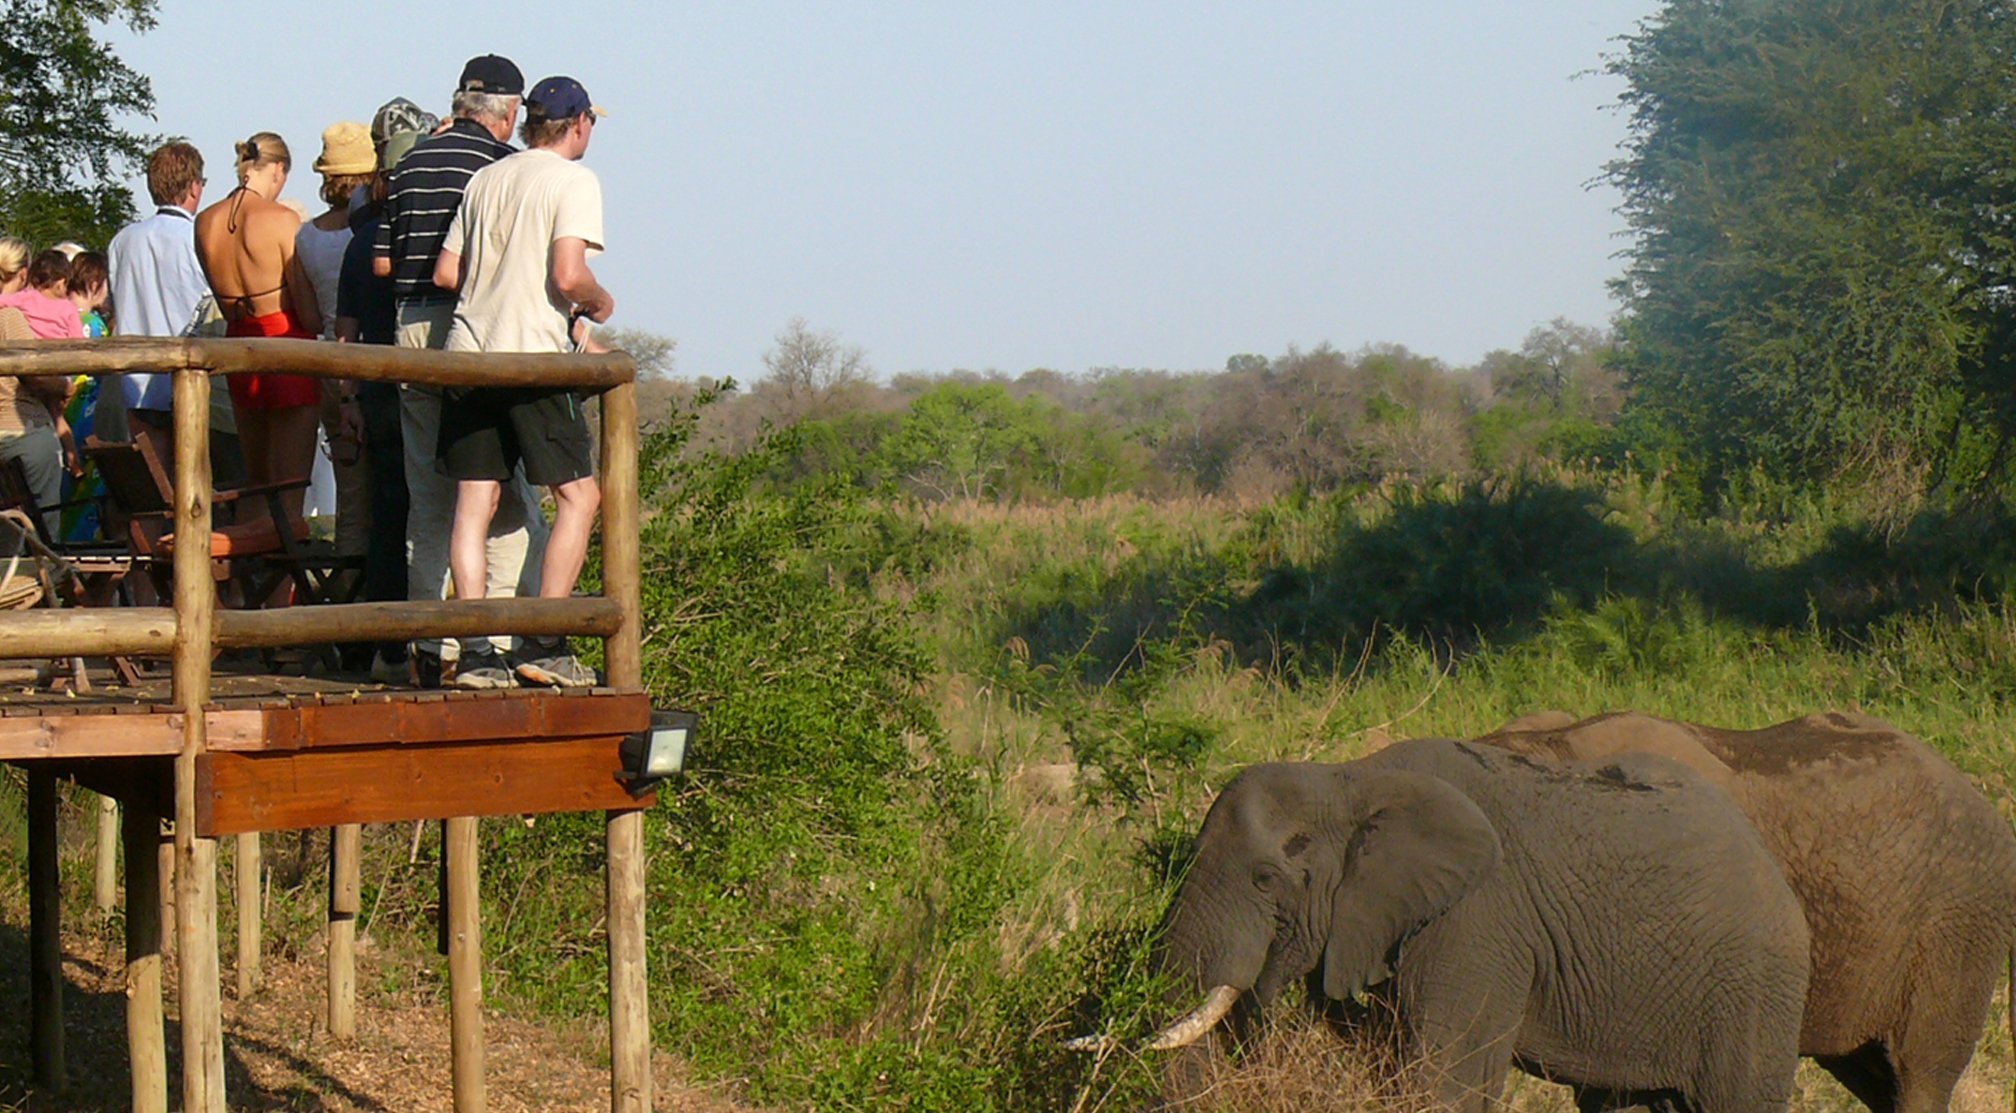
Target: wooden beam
465,964
45,935
26,737
86,739
105,875
416,721
324,787
622,584
196,857
248,870
47,357
164,859
371,363
456,618
146,1038
87,632
346,843
150,631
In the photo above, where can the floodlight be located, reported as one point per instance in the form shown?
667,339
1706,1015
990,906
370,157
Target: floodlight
650,756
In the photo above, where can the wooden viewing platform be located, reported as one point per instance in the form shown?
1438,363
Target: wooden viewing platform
216,754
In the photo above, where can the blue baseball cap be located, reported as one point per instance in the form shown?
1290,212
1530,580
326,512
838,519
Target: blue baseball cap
559,98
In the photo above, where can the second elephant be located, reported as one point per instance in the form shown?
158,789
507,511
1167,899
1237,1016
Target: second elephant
1906,874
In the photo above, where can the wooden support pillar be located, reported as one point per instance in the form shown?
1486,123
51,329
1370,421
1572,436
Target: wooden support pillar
195,858
45,934
251,912
146,1038
164,869
465,965
345,848
105,878
622,577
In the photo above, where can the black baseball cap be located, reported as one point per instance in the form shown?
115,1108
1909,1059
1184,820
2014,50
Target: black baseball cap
492,73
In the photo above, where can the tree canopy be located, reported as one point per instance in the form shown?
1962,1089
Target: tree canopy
63,154
1820,197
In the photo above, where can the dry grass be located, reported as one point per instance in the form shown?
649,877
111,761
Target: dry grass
1301,1066
279,1055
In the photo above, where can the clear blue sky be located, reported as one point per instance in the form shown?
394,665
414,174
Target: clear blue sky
1008,186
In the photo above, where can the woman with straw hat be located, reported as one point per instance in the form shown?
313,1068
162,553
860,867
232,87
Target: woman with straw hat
348,164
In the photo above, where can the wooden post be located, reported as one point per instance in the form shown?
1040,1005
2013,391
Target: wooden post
164,869
465,965
629,1015
345,847
146,1039
251,912
105,879
45,933
195,859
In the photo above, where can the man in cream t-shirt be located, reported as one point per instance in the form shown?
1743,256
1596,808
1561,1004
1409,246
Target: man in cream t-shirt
517,252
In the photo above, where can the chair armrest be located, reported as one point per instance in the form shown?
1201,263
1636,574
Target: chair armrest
230,494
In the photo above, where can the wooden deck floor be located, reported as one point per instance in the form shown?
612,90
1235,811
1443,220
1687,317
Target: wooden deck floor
287,752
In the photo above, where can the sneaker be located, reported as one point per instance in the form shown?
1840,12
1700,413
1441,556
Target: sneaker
428,671
551,665
394,674
483,669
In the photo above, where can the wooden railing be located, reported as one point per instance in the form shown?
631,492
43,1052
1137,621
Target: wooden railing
142,630
192,630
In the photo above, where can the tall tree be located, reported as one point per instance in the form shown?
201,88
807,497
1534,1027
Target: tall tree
1820,197
656,355
63,93
809,369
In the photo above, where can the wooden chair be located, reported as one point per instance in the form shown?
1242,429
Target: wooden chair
96,567
253,565
31,573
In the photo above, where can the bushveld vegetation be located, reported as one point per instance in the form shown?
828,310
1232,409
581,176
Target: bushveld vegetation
974,649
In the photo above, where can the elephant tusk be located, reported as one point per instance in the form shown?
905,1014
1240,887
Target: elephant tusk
1185,1032
1091,1043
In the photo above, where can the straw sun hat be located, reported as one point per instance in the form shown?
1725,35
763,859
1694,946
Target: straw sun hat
346,149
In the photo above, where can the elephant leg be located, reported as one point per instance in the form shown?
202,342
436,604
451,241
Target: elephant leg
1466,1073
1751,1055
1941,1027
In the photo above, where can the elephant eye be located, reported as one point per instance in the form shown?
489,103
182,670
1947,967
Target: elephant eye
1266,877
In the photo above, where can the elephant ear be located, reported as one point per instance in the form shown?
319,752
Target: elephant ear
1418,847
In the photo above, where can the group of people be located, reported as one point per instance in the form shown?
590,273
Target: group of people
437,234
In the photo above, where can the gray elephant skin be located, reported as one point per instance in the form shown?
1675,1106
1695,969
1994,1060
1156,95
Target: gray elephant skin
1906,873
1617,926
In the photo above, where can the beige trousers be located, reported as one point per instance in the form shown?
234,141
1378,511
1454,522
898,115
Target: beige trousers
517,534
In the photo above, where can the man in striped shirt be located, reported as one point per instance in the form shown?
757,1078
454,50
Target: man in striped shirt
425,191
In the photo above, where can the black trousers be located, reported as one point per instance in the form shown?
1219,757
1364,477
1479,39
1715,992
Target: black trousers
384,446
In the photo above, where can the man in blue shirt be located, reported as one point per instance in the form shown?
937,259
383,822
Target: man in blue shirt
157,284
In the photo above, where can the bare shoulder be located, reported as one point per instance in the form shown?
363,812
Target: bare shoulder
272,216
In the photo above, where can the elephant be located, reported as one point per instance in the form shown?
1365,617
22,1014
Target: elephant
1614,926
1906,874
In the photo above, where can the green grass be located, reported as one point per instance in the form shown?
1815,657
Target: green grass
951,756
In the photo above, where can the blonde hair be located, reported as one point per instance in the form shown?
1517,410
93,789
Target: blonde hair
263,149
13,258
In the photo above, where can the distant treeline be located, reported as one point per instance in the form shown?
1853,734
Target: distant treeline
1304,420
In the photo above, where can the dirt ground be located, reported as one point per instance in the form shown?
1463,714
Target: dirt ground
279,1054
